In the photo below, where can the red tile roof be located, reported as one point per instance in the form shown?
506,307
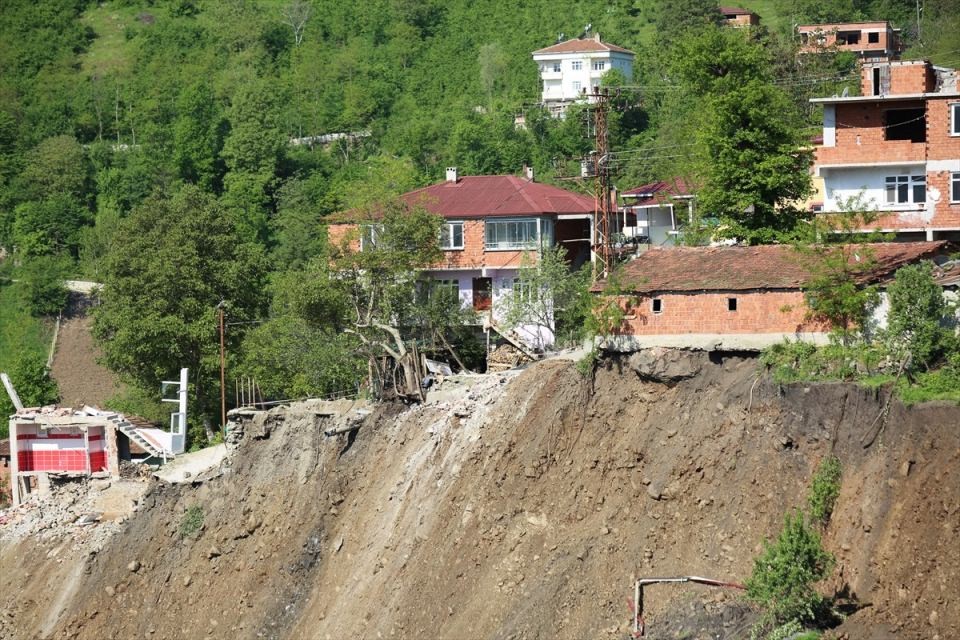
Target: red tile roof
490,196
585,45
735,11
692,269
655,191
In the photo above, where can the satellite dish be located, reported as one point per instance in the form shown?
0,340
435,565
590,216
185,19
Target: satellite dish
846,92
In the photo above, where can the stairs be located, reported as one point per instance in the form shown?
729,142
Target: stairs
150,440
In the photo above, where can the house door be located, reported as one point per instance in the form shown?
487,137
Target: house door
482,293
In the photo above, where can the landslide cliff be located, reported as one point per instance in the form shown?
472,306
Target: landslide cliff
520,506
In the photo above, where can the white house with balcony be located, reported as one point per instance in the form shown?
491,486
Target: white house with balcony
571,68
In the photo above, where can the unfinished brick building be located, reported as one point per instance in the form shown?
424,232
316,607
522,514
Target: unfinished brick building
876,40
896,149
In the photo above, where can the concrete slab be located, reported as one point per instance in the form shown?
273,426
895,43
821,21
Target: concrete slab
187,467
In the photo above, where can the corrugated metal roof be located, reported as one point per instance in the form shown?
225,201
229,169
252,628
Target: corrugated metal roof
691,269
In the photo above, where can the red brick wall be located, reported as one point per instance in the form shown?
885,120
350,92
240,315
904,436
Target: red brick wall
940,144
337,234
757,312
861,137
472,256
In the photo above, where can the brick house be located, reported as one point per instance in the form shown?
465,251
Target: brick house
493,225
733,297
897,146
869,40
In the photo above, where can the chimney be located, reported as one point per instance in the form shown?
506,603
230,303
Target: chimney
528,173
596,36
452,174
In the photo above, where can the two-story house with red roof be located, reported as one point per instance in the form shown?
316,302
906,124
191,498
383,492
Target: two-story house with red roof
493,226
896,149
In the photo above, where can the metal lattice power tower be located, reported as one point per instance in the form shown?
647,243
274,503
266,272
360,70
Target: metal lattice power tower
602,246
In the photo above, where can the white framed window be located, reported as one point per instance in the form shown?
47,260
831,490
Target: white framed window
576,65
906,189
522,289
656,305
599,65
577,85
955,119
451,235
447,287
556,67
511,234
955,187
370,236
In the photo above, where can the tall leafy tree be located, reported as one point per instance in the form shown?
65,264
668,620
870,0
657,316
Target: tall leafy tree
752,135
172,262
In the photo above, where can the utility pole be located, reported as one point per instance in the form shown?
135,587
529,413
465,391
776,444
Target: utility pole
601,223
223,368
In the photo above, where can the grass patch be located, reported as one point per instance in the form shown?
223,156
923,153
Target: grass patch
19,331
192,521
824,490
111,52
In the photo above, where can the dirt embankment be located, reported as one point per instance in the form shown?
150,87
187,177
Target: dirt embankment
522,507
81,379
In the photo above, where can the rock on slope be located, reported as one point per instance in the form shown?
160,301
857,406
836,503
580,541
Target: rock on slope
524,506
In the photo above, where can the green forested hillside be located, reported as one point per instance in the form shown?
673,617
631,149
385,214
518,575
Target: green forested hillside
109,111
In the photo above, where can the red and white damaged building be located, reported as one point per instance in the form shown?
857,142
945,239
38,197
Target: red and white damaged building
896,148
492,226
733,297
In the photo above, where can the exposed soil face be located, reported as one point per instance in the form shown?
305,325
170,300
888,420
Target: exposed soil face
82,380
524,506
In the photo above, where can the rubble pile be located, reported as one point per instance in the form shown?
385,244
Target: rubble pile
76,510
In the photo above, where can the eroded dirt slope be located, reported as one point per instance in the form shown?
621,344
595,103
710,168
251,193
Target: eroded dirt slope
522,507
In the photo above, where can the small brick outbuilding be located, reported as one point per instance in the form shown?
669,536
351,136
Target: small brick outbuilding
732,298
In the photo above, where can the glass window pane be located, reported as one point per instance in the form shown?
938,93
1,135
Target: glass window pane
902,193
955,188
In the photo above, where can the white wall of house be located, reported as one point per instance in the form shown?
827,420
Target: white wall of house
657,222
502,280
566,75
869,183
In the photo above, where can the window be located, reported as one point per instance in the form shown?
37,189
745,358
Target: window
370,236
576,65
955,119
848,37
906,189
731,304
511,234
556,67
656,305
576,86
599,65
955,187
873,38
447,288
522,289
905,124
451,236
